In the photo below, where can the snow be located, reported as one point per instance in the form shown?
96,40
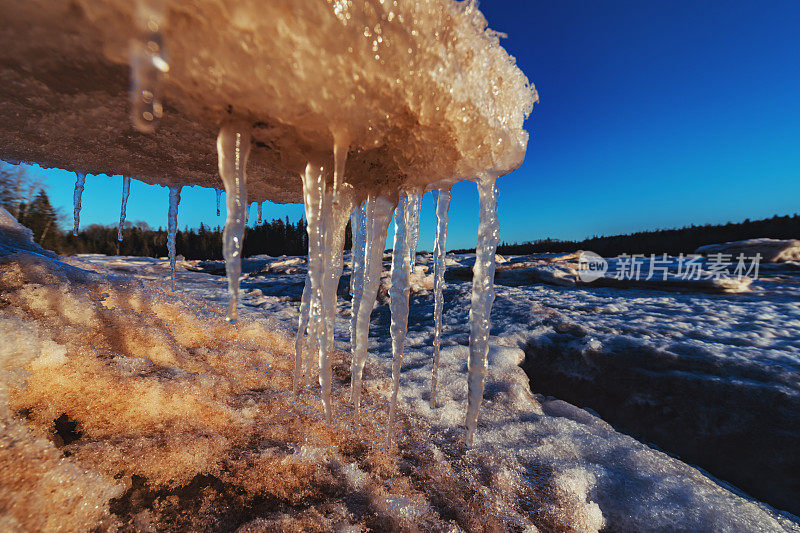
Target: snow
535,459
599,473
771,250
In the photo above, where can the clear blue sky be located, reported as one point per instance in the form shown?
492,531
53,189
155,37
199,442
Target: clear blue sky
652,114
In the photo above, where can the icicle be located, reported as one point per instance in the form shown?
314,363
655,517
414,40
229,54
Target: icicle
482,299
172,227
358,226
302,325
340,146
325,241
233,149
148,65
259,211
80,181
439,252
247,214
313,192
219,197
399,292
414,205
126,191
378,214
339,204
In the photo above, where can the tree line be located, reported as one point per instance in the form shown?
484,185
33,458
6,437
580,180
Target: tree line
26,199
670,241
275,237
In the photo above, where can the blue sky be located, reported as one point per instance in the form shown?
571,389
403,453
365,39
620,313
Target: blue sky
652,114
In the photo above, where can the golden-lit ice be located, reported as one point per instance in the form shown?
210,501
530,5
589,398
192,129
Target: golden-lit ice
419,92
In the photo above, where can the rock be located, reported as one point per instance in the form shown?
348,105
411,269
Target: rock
292,265
15,237
771,250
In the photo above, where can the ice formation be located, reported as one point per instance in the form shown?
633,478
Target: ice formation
126,192
439,252
172,227
80,182
363,99
378,213
219,197
233,147
421,95
259,207
358,227
414,207
327,213
399,293
299,339
415,94
482,299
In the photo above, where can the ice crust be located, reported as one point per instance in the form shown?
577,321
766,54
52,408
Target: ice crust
413,93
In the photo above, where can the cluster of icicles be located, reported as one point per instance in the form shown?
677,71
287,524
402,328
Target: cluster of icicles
328,209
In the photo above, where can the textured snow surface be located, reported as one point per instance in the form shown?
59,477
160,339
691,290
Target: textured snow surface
123,405
157,399
601,475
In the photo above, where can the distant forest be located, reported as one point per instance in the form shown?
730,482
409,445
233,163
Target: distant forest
670,241
26,199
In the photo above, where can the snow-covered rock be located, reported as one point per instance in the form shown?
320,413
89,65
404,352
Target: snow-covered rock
15,237
771,250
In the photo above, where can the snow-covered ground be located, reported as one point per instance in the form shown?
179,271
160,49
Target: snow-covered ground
713,379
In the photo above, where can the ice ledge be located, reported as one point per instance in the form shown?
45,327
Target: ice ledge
418,93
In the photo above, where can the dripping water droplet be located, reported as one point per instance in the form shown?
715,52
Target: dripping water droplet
148,63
